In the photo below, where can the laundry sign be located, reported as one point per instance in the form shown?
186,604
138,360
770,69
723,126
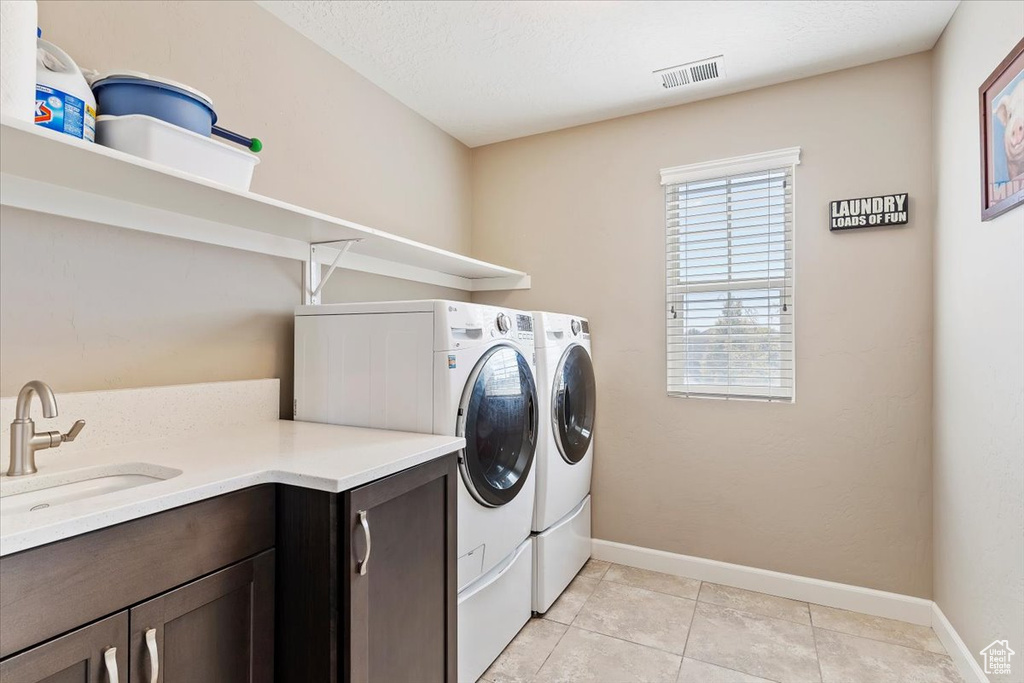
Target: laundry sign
868,212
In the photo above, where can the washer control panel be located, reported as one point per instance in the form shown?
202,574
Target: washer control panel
524,327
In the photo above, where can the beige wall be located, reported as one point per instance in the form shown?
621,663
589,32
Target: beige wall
90,307
979,338
835,486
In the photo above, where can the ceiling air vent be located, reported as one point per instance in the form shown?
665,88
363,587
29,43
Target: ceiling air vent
694,72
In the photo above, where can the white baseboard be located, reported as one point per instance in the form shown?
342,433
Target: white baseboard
840,595
962,657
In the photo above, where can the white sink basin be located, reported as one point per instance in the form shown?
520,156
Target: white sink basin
43,491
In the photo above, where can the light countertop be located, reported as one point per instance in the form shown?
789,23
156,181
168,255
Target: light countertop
213,462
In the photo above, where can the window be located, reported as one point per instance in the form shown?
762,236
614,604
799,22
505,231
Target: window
729,303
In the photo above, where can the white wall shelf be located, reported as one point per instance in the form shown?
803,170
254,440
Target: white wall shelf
47,172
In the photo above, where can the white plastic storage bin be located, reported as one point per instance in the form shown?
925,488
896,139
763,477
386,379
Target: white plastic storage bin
170,145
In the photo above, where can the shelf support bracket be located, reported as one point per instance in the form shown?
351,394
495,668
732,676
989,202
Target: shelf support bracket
313,283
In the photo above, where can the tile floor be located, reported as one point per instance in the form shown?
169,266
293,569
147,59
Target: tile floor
616,624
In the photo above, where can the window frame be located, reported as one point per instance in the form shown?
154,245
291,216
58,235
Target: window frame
719,169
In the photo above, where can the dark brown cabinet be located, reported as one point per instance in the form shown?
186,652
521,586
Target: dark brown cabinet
399,577
200,577
367,580
268,583
97,653
219,629
56,588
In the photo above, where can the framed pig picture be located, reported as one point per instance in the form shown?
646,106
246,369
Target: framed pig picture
1001,108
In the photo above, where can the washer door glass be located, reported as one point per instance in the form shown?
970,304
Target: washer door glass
498,415
573,400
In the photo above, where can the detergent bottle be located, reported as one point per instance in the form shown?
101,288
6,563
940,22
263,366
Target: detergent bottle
64,101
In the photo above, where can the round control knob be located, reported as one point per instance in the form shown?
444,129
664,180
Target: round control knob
504,323
575,327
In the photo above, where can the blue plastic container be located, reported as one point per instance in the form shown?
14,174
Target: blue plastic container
123,95
132,92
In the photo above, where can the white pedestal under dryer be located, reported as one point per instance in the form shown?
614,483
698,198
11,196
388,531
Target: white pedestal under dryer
444,367
565,453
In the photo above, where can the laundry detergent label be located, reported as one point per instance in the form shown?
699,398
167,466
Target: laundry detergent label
64,113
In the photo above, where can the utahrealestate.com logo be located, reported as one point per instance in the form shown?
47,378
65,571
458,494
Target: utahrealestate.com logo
997,657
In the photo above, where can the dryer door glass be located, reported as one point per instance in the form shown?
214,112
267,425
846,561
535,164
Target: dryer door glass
498,418
573,401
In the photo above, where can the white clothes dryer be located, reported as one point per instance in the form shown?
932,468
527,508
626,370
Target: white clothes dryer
567,395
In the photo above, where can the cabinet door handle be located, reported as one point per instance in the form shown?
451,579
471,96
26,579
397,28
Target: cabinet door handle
110,664
154,656
364,522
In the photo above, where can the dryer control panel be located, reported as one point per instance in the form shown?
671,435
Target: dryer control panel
579,327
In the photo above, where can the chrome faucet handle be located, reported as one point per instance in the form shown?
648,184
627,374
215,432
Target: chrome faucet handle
75,430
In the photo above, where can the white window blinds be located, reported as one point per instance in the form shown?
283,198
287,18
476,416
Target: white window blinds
730,278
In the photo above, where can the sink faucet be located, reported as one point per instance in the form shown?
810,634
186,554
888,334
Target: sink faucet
25,441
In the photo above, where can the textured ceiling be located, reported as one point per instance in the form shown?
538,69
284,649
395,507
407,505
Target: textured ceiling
491,71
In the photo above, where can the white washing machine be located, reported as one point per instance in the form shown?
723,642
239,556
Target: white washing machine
565,453
444,367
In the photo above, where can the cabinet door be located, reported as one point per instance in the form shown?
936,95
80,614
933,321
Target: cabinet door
218,629
97,653
398,567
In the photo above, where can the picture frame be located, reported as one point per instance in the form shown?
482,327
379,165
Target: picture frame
1001,116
